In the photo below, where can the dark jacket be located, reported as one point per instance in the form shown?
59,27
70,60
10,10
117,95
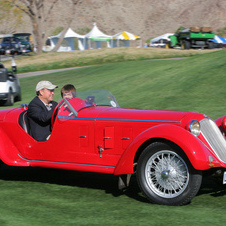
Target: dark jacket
40,119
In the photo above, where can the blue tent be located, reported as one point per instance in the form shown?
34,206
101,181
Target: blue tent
218,39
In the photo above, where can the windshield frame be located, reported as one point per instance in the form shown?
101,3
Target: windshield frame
86,99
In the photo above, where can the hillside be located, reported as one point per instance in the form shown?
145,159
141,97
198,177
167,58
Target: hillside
147,18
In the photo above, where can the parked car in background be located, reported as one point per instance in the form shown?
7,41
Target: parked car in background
9,86
167,150
160,43
10,45
26,41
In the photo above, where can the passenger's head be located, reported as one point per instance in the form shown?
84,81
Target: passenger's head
68,91
45,91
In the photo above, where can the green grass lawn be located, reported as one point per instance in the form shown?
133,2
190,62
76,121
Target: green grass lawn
56,197
34,62
193,84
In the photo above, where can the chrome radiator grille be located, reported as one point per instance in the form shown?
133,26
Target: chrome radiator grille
214,138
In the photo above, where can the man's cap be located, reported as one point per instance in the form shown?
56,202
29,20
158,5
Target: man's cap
45,84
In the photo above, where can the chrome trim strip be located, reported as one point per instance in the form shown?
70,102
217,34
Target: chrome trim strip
135,120
68,163
75,118
117,119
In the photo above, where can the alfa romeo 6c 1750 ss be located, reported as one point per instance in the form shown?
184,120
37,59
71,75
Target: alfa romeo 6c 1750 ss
168,151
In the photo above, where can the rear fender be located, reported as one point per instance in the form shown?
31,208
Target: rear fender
9,154
195,150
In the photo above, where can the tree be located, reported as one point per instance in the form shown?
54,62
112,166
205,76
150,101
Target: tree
73,10
7,11
38,12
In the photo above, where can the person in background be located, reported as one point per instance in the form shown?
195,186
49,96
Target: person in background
40,111
68,91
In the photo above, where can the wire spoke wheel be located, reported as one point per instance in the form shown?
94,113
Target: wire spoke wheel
165,175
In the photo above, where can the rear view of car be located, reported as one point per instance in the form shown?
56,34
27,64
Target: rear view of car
10,45
26,42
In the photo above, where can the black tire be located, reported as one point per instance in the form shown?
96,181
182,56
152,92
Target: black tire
210,45
10,99
19,98
168,45
2,102
186,44
165,175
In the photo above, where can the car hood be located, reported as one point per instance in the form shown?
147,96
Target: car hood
139,115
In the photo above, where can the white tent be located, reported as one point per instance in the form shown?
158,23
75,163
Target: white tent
160,40
97,36
68,43
124,36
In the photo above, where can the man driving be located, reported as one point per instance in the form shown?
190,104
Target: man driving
40,111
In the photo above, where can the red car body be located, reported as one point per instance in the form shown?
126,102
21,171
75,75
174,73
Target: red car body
113,140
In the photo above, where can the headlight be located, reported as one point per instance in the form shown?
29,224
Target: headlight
194,127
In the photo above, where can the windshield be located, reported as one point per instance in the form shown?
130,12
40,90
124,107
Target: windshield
84,99
22,37
10,40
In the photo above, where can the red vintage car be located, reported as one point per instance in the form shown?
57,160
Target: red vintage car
167,150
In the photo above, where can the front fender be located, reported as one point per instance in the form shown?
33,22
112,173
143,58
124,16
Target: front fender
195,150
9,154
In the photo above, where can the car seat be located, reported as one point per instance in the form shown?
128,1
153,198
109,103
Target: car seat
24,122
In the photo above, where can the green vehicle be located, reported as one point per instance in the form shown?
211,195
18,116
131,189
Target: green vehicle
194,37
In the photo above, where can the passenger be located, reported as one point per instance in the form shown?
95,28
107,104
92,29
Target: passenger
68,91
40,111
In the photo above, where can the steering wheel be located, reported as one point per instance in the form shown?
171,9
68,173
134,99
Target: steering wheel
77,104
75,113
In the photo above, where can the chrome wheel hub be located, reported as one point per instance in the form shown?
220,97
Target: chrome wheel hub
166,174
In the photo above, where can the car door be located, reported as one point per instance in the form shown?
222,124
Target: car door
112,139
